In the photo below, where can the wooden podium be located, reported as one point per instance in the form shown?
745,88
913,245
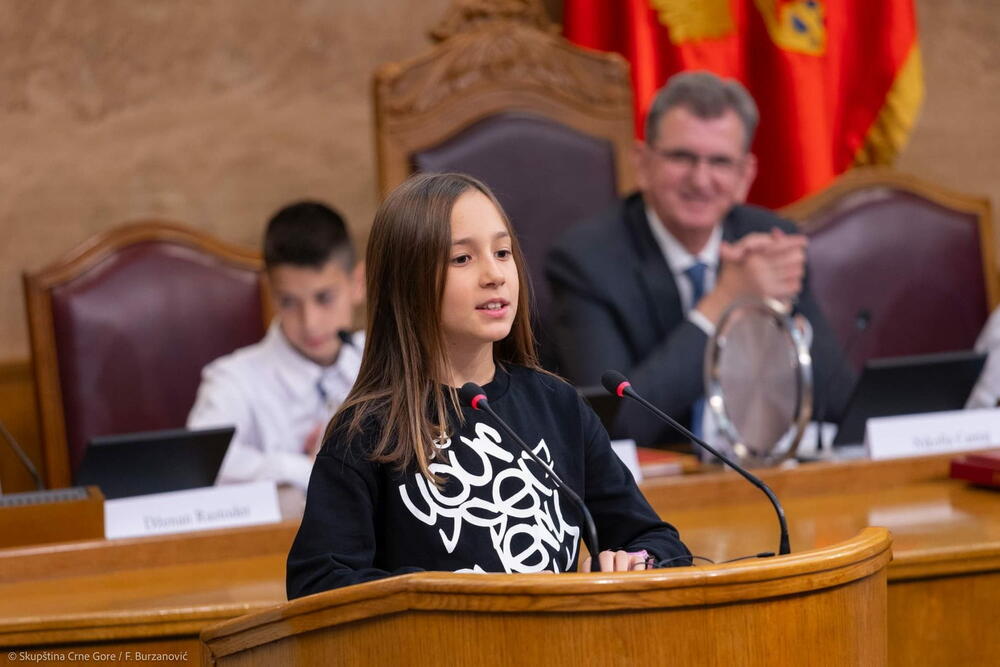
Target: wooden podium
826,606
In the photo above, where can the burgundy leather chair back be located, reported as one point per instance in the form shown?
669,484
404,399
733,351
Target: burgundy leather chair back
916,265
502,96
131,333
547,177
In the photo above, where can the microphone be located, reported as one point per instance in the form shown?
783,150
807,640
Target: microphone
617,384
862,320
345,337
21,455
472,394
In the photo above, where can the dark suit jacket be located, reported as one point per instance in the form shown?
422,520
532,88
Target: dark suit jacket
616,306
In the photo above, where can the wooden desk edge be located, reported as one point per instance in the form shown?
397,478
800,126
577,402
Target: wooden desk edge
945,561
84,557
723,486
117,625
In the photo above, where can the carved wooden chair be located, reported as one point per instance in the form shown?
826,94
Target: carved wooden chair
122,325
919,258
547,125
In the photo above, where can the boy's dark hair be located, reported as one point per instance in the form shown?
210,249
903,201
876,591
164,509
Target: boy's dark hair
307,233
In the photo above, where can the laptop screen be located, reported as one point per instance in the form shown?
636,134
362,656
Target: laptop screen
907,386
136,464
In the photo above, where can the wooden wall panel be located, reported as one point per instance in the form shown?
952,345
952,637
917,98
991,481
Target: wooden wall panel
18,411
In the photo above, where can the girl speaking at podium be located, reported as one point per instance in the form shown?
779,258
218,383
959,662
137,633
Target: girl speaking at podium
409,478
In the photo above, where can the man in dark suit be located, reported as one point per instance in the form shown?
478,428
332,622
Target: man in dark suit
641,287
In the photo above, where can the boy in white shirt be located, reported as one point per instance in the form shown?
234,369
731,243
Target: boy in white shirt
280,393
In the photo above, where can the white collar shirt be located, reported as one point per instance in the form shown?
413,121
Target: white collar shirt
986,393
680,260
278,400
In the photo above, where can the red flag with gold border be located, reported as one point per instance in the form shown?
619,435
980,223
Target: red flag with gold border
838,83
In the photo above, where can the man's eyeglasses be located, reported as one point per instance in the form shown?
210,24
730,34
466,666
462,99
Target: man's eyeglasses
723,165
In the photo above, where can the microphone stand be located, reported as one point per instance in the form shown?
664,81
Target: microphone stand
25,461
616,383
473,395
862,320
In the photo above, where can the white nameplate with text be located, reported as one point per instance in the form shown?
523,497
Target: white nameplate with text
208,508
932,433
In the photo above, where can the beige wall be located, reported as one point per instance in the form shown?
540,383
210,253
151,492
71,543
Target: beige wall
957,139
209,112
216,112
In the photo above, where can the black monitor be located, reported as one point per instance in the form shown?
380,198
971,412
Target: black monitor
136,464
907,386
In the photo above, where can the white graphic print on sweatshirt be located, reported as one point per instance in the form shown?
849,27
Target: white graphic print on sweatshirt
517,505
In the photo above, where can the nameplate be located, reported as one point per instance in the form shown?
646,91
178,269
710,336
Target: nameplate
629,455
932,433
225,506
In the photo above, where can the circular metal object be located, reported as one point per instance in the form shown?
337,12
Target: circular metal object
758,380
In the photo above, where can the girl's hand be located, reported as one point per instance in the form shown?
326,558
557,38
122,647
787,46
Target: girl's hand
619,561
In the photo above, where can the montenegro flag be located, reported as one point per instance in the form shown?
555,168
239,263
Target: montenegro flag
838,82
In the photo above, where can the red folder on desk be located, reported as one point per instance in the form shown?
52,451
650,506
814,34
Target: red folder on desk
661,462
982,468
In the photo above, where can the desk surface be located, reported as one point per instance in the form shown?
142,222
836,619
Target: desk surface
939,525
170,586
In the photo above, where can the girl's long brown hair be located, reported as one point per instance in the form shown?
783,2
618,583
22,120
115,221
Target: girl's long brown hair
405,359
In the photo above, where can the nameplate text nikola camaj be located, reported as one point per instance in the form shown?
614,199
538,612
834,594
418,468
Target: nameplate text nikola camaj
932,433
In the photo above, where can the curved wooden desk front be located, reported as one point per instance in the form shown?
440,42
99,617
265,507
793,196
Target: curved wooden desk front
944,580
826,606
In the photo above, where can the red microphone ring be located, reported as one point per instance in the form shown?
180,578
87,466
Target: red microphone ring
476,399
621,388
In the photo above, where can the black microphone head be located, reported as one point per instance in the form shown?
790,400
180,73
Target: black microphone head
471,394
615,382
862,319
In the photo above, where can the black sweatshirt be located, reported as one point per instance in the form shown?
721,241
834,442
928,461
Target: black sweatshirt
497,511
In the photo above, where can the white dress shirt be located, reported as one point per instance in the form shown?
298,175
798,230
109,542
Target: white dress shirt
275,397
680,260
986,393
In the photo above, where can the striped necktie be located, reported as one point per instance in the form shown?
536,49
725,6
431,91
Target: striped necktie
696,274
